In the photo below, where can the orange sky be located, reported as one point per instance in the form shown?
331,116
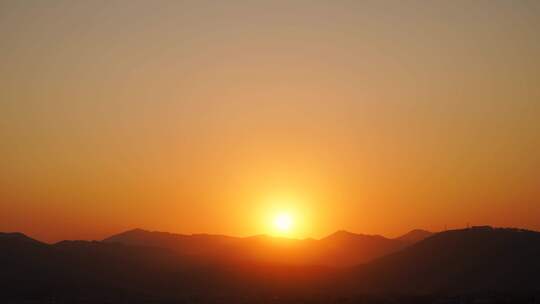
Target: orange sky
212,116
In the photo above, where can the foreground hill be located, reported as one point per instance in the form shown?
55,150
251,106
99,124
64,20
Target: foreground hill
341,248
468,260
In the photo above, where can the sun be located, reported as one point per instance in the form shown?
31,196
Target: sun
283,222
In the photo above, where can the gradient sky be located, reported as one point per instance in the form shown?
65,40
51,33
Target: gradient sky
211,116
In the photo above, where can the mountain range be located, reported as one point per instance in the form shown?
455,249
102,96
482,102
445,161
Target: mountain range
140,266
341,248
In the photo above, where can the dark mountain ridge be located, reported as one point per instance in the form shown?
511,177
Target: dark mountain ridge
414,236
341,248
476,260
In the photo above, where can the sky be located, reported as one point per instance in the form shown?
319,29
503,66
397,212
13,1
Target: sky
375,117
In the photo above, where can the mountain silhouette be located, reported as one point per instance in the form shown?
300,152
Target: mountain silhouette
479,260
341,248
106,272
414,236
469,260
17,240
353,249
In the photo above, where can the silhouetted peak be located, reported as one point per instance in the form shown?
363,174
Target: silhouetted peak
486,230
414,236
17,237
137,230
340,234
12,235
478,236
344,235
141,234
136,233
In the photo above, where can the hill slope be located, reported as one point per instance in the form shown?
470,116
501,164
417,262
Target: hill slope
475,259
414,236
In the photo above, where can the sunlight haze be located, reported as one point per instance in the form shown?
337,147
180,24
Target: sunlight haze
375,117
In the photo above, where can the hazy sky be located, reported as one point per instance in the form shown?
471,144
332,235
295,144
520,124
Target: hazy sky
210,116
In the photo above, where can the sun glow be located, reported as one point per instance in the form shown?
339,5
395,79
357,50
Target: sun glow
283,222
286,215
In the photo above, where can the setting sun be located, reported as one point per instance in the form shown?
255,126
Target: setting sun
283,222
279,152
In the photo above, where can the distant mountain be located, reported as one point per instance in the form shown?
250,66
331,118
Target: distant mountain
469,260
196,244
341,248
105,272
344,248
414,236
